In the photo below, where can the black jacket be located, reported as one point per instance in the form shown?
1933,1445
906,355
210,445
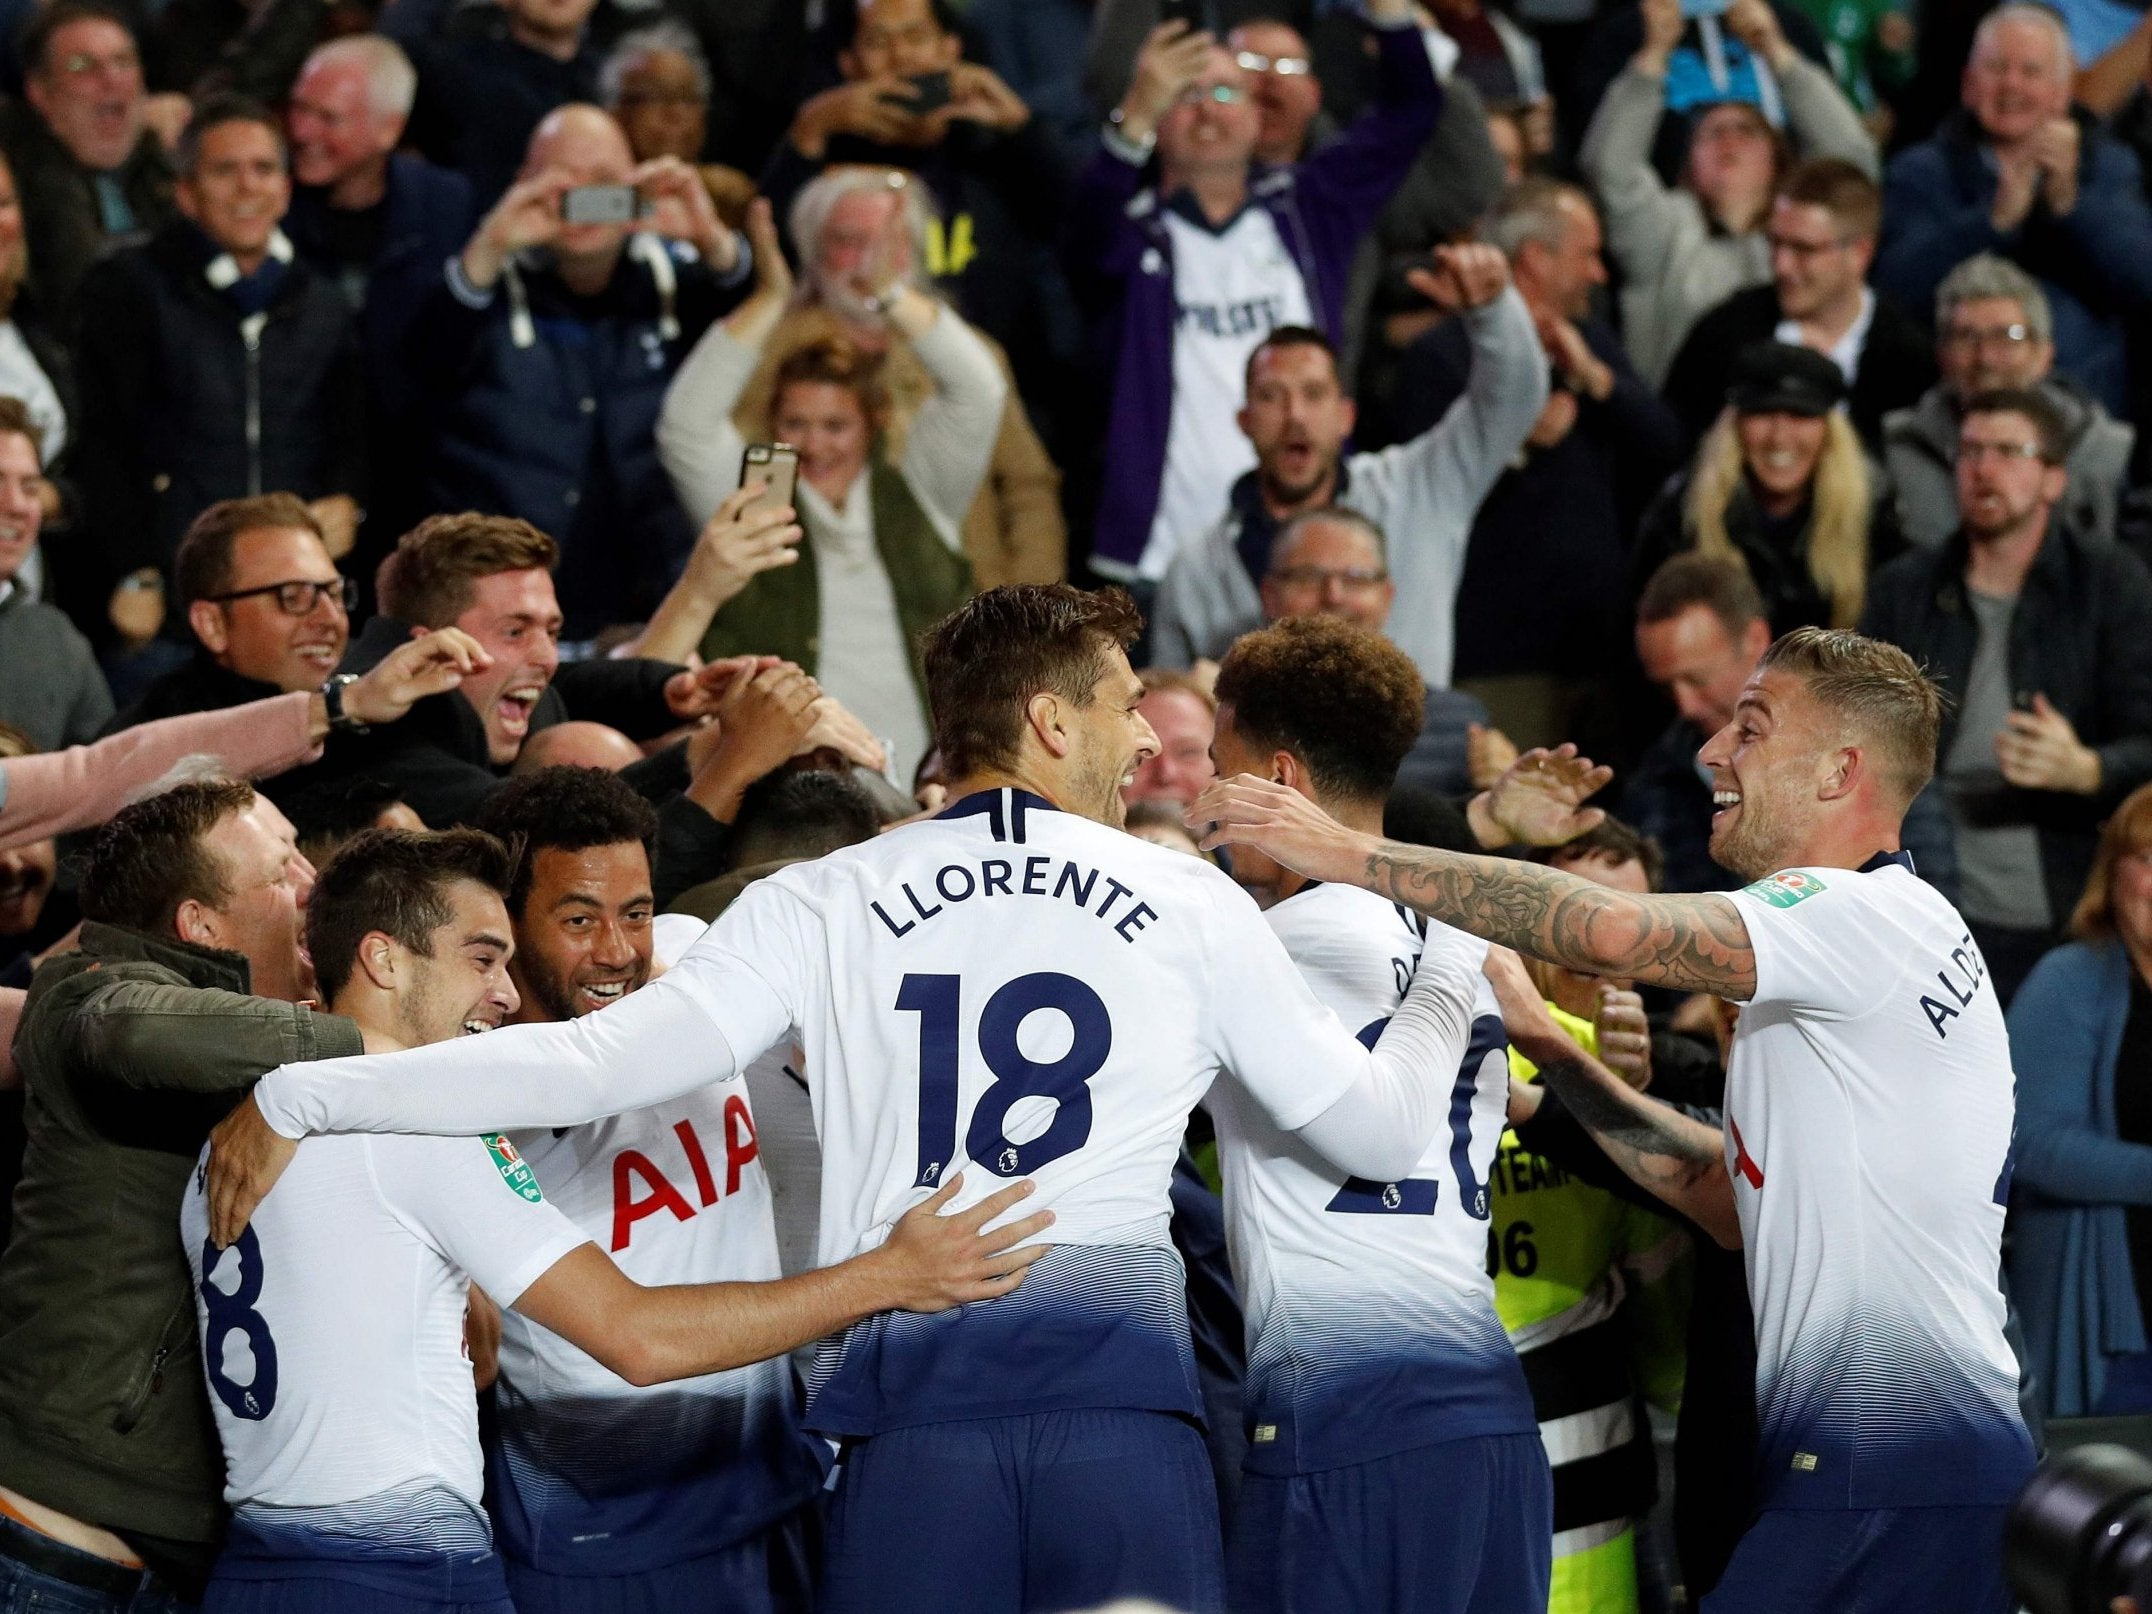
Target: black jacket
60,215
1544,584
437,754
480,97
1776,560
181,407
426,219
2078,637
1897,363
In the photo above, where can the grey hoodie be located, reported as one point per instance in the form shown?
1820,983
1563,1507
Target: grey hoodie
1920,445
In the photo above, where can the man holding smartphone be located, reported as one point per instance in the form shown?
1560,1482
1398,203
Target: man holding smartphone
549,345
909,100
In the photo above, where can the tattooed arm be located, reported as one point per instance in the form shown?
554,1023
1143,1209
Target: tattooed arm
1672,1156
1689,943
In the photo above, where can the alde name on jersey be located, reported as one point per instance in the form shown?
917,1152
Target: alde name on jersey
1957,981
955,884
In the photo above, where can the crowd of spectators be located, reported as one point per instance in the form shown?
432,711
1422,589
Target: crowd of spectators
375,388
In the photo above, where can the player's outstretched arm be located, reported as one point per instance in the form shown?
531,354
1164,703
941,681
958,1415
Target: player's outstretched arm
1668,1154
930,1262
1689,943
682,1031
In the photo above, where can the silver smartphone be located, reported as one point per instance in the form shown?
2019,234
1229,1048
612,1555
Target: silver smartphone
777,467
600,204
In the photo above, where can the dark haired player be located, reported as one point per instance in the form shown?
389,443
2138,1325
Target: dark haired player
607,1495
332,1330
1379,1375
1869,1109
1017,988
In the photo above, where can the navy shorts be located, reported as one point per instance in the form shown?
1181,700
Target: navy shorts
1466,1527
766,1574
1938,1560
1027,1515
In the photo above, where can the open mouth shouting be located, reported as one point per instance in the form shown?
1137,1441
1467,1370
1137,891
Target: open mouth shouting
515,706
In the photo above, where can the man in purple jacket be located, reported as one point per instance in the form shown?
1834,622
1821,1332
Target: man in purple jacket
1184,277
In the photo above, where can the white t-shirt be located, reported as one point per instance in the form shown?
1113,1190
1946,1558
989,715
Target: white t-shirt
1233,286
332,1345
1006,988
1371,1321
593,1475
1869,1116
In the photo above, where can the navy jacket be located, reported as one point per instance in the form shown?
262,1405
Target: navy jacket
551,415
2096,264
429,218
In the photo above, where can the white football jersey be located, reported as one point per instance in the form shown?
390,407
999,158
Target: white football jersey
332,1344
1231,288
1371,1321
931,1047
1007,990
593,1475
1869,1116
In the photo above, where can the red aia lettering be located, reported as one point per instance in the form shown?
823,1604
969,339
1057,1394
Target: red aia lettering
739,1141
1743,1161
627,1209
629,1164
697,1161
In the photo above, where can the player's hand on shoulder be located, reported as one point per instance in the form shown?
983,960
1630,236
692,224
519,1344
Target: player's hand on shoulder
246,1157
1279,822
935,1262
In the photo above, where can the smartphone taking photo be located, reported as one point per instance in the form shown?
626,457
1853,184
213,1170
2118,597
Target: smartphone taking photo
930,93
777,467
600,204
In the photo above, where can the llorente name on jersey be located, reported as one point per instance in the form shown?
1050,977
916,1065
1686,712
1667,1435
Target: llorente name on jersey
958,883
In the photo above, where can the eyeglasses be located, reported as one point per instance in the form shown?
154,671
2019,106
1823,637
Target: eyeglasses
2006,336
1977,451
1352,579
299,598
1254,61
1223,94
80,63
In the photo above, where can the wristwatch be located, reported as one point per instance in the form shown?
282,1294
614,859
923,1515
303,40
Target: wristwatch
1125,145
332,696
